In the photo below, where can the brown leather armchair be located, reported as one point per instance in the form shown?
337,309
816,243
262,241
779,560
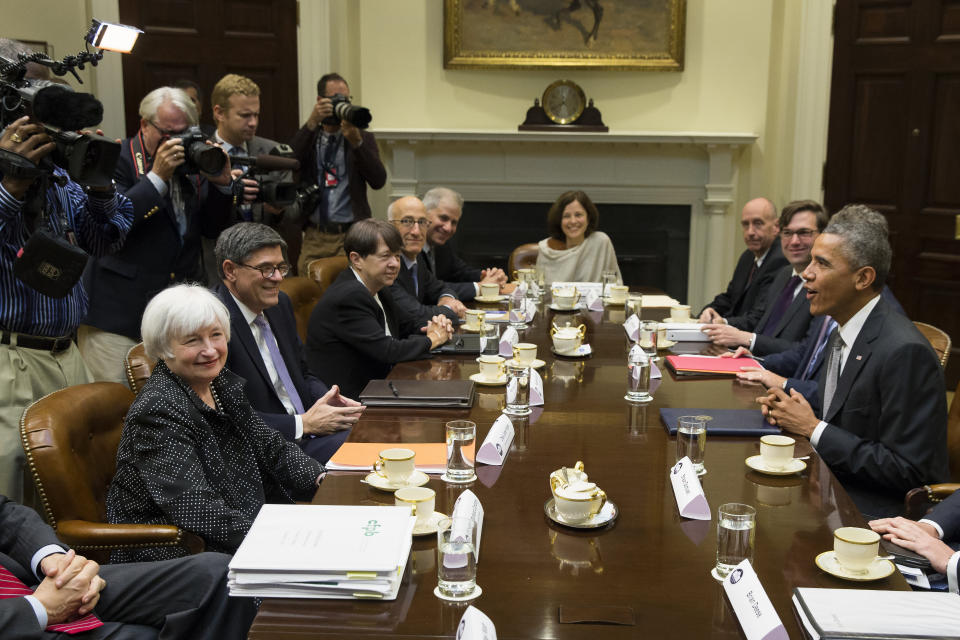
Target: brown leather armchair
70,438
304,294
939,340
920,500
523,257
138,367
324,271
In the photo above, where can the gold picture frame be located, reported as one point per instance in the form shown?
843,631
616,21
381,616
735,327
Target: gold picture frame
564,34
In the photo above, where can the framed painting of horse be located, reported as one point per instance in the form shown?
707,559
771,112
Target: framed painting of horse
565,34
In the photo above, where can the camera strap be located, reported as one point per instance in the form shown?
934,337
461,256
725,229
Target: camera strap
142,163
328,158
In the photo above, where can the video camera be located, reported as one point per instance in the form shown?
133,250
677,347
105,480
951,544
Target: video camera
273,190
343,109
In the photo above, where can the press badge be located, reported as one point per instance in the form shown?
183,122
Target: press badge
330,178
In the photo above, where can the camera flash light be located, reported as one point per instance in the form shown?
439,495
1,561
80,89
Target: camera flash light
113,37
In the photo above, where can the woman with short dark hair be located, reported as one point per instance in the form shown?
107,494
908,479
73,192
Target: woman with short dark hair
576,250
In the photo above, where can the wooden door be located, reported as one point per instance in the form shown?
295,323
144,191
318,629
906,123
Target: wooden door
894,144
205,39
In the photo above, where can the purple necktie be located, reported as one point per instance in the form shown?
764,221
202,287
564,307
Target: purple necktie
779,307
829,324
278,362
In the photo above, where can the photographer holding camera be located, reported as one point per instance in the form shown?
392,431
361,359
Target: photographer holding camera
341,159
181,188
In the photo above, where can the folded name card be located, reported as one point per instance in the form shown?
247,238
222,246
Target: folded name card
475,625
632,327
594,301
507,340
536,388
497,443
758,618
689,492
468,506
530,309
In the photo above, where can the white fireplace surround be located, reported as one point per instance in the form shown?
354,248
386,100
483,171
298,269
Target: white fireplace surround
681,168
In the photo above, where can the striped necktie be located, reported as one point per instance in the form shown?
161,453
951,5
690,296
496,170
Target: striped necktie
12,587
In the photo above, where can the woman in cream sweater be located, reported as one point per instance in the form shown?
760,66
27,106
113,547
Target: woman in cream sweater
575,251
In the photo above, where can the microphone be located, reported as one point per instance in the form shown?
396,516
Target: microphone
60,106
266,162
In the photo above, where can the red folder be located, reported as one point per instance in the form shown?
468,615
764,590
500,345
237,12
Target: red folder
688,364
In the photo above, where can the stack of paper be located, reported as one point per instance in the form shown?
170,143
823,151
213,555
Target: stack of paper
323,551
359,456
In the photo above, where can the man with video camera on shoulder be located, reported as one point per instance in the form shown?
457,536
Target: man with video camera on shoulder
42,209
180,184
340,159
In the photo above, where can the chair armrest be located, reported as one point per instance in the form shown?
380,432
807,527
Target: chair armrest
921,500
942,490
82,533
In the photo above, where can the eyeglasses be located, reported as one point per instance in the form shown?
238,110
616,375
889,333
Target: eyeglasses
803,234
170,133
408,222
268,270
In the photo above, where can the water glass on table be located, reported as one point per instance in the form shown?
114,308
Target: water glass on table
638,375
518,389
461,451
736,531
634,304
692,440
456,559
647,337
609,278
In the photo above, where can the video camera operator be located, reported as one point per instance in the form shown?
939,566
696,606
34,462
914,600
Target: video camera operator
181,188
341,159
37,352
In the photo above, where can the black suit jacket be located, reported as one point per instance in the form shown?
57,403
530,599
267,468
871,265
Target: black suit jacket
244,359
791,327
454,271
346,343
887,428
154,255
421,301
739,298
363,168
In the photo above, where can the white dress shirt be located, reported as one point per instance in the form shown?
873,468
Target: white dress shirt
386,325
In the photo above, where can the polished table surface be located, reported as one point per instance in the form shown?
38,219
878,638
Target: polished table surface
650,563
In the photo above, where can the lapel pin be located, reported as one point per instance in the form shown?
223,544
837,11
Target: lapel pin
859,357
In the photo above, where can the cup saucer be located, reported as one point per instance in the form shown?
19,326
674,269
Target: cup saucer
757,464
496,298
489,382
416,479
880,568
607,514
665,344
430,526
575,307
580,352
536,364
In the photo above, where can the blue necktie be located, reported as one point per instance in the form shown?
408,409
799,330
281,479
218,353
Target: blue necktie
416,285
829,324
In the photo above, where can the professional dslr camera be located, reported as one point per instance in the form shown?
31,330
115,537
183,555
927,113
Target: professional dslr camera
198,155
343,109
273,190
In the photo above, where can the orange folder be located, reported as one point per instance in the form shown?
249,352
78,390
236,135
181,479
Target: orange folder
360,456
685,364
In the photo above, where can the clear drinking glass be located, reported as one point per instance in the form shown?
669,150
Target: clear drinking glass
517,310
647,337
609,278
692,441
461,446
518,389
638,375
634,304
456,558
736,531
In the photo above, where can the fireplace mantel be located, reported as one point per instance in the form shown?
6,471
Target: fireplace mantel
645,167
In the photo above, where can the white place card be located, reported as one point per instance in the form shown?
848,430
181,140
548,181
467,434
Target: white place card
475,625
468,506
536,389
691,501
509,338
530,309
758,618
632,327
497,443
594,301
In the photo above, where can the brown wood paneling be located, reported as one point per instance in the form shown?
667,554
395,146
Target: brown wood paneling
883,22
880,113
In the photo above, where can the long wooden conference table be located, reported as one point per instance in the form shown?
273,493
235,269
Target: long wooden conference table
650,566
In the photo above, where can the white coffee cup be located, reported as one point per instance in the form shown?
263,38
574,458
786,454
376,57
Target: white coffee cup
474,319
421,501
776,452
855,548
566,298
567,339
525,353
489,290
680,312
395,465
618,293
578,501
491,367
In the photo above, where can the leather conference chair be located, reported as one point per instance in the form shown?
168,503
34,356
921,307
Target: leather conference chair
304,294
523,257
324,271
70,438
921,499
939,340
138,367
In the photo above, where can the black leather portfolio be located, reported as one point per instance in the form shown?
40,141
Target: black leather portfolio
418,393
